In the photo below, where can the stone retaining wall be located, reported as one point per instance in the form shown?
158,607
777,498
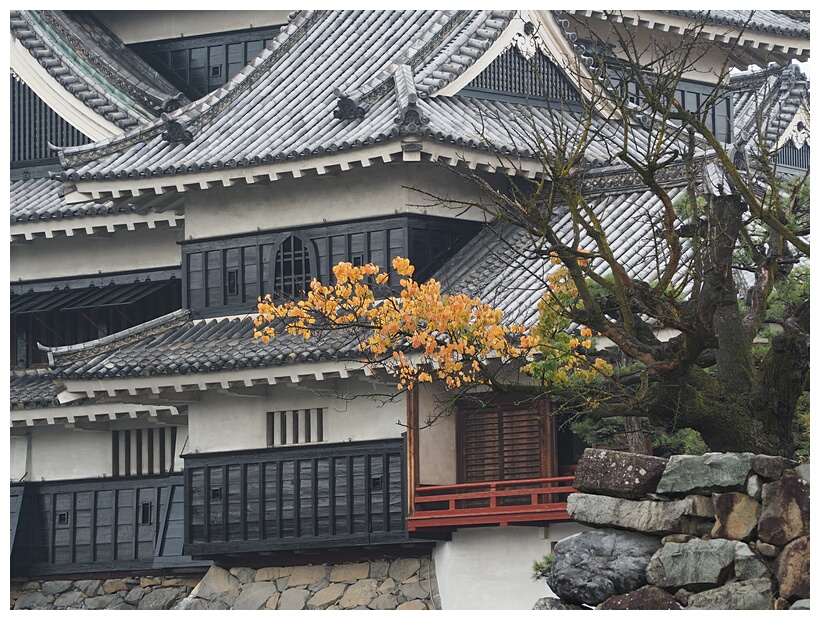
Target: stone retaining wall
718,531
404,583
147,593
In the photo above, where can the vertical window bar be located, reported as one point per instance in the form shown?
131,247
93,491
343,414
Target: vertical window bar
295,415
320,424
308,437
283,428
115,453
150,441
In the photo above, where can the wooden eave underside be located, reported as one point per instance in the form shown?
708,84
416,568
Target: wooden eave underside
181,388
759,45
394,151
107,224
106,412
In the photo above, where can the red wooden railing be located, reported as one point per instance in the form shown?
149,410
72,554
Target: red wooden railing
491,503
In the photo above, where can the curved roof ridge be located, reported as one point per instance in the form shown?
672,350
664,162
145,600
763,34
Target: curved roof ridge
68,353
91,63
197,112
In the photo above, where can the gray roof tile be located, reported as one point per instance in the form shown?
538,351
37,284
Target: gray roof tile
175,344
38,199
279,110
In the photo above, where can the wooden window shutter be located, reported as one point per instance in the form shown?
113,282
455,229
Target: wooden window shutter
501,443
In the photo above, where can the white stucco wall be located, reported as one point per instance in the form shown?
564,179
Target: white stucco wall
89,255
18,458
437,440
292,203
59,453
490,568
353,411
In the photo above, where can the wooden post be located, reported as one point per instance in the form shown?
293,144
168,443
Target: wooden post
412,448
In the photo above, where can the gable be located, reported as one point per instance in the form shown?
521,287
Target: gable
533,78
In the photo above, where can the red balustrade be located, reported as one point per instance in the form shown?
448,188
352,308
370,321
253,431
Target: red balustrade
536,500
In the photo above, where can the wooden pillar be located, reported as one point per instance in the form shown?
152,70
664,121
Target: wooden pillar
412,447
549,441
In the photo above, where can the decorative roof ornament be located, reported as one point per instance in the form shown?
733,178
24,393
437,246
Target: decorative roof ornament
800,135
527,43
347,106
171,104
409,117
175,131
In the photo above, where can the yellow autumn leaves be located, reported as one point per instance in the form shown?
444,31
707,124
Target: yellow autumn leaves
419,336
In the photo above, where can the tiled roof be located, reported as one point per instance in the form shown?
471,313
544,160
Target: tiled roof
777,91
42,199
178,345
507,268
277,110
763,21
33,388
92,64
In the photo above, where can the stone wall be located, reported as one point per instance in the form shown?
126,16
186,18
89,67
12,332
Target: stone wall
404,583
147,593
718,531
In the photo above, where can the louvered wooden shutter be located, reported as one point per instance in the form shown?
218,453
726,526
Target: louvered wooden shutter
501,444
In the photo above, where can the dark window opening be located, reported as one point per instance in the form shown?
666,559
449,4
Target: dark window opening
216,493
146,513
62,518
292,269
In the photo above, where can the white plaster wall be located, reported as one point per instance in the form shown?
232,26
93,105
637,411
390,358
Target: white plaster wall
59,453
138,26
291,203
490,568
88,255
18,458
353,411
437,440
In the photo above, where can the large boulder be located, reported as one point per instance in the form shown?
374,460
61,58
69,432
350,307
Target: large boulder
792,569
714,472
590,567
786,515
696,564
739,595
618,474
553,604
647,597
641,516
736,516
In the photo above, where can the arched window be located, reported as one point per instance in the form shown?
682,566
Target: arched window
293,260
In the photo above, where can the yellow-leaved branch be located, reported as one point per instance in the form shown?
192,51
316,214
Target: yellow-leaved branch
422,335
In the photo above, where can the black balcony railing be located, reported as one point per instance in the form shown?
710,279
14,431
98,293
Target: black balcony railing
285,498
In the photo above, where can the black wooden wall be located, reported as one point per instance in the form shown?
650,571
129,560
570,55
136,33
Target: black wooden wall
328,495
227,275
99,525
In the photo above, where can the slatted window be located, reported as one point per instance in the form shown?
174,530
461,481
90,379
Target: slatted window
536,80
34,125
501,443
296,426
143,451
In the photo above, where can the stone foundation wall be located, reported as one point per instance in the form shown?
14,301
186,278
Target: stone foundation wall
146,593
718,531
404,583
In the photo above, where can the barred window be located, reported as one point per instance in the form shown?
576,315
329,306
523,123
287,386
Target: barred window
293,263
296,426
143,451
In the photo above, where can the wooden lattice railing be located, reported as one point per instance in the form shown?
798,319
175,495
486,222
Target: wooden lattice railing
534,500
